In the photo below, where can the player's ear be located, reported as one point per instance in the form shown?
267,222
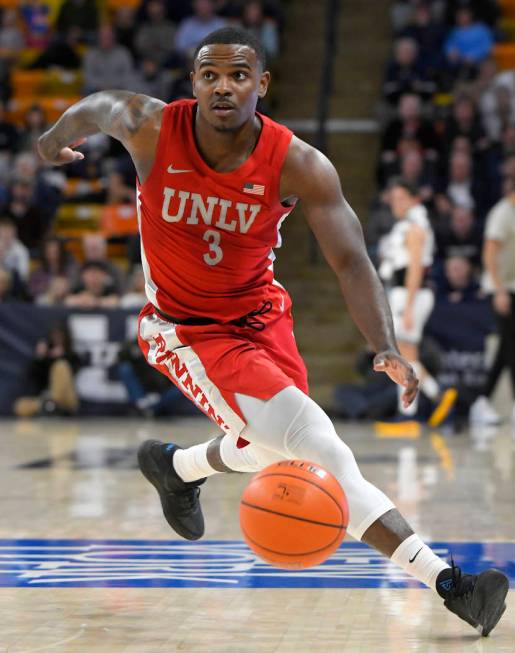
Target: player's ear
263,83
192,79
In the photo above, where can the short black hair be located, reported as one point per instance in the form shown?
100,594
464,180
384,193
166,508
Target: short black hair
234,36
408,186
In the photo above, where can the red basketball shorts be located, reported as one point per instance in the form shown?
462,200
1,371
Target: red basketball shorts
210,364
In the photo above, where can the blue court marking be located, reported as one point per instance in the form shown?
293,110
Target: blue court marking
216,563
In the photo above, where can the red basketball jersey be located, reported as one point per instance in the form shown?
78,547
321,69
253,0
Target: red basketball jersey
207,237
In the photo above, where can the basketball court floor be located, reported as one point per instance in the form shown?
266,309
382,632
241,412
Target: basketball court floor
87,563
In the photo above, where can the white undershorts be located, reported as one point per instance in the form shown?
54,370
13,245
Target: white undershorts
422,307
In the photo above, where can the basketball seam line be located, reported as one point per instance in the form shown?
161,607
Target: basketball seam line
283,514
305,480
284,553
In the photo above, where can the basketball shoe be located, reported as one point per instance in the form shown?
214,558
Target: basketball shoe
179,500
478,600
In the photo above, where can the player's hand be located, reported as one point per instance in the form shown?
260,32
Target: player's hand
62,156
400,371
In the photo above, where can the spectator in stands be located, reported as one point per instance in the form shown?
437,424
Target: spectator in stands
11,289
469,43
409,130
135,296
31,220
50,377
460,285
36,16
81,15
464,121
11,37
429,35
486,11
461,187
405,74
254,21
499,283
56,293
9,135
107,65
54,261
155,38
124,25
193,29
150,393
414,171
152,80
61,52
95,288
14,256
34,124
118,192
94,249
460,237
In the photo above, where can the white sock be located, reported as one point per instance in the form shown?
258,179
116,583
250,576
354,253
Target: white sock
425,565
191,463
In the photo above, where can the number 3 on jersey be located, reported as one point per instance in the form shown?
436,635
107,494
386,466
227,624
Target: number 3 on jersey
215,253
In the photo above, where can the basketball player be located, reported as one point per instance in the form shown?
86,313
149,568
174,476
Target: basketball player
215,182
406,254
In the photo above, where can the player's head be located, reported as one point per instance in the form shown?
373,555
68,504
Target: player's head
402,195
229,77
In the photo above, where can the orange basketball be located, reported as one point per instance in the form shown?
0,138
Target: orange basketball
294,514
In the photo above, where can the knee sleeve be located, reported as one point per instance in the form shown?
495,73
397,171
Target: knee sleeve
294,426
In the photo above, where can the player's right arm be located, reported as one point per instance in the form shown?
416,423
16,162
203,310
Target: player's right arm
132,118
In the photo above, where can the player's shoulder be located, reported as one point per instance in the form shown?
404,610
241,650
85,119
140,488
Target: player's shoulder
305,167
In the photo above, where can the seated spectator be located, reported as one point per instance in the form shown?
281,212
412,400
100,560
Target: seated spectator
107,65
118,192
124,25
414,170
460,237
11,37
94,249
193,29
11,287
459,283
55,295
264,29
469,43
9,135
95,288
14,256
151,79
462,188
36,18
155,38
429,34
31,220
463,121
50,377
61,52
151,394
405,74
54,261
486,11
78,14
135,296
34,124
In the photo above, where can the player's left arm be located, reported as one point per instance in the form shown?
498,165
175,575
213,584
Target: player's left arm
311,177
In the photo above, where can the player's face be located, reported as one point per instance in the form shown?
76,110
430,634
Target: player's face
227,82
400,201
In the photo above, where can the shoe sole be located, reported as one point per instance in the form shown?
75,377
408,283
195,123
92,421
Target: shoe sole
443,409
492,587
151,472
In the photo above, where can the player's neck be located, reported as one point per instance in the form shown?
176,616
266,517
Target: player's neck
226,151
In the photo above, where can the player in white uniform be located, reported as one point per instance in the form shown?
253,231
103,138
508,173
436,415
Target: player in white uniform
406,254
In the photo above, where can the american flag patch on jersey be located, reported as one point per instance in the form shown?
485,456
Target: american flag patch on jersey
254,189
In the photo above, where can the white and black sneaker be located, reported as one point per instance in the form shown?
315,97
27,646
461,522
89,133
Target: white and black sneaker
179,500
478,600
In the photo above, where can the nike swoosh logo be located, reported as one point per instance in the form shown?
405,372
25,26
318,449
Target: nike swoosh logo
416,554
173,170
